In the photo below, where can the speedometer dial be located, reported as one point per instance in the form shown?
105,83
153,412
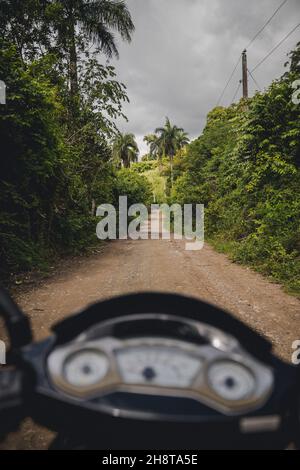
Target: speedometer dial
85,368
159,366
231,381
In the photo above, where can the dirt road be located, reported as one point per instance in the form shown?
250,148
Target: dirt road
129,266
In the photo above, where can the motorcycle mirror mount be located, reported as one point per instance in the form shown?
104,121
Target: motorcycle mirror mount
16,322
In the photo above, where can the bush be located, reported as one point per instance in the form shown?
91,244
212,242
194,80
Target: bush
133,185
245,169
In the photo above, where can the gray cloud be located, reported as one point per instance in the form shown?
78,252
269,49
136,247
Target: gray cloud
183,52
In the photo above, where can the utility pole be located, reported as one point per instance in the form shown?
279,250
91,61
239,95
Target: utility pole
245,74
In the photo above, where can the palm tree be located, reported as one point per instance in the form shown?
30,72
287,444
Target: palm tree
97,20
153,142
125,149
170,139
182,139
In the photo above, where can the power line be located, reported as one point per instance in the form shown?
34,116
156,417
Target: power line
266,24
250,43
229,80
253,78
275,48
237,90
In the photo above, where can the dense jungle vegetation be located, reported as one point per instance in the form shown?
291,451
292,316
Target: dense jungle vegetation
245,168
57,127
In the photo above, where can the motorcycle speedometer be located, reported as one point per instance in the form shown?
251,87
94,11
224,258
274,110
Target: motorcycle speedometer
231,381
85,368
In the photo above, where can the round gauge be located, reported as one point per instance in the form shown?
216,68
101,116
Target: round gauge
157,366
231,381
85,368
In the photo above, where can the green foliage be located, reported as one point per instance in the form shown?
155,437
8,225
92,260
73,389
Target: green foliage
31,154
153,171
158,185
56,160
125,150
148,157
245,168
91,21
165,142
133,185
143,166
169,139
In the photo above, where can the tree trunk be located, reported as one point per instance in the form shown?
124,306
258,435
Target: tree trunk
126,161
73,60
93,208
160,165
171,170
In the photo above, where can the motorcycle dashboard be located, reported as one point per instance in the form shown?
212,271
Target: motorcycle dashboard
154,367
158,355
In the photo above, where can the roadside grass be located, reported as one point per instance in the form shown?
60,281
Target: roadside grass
287,274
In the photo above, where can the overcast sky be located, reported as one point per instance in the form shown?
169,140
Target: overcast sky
183,52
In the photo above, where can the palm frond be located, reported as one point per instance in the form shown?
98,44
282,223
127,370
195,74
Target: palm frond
113,13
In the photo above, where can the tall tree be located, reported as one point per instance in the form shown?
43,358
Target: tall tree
170,139
182,139
125,149
152,141
78,22
22,23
